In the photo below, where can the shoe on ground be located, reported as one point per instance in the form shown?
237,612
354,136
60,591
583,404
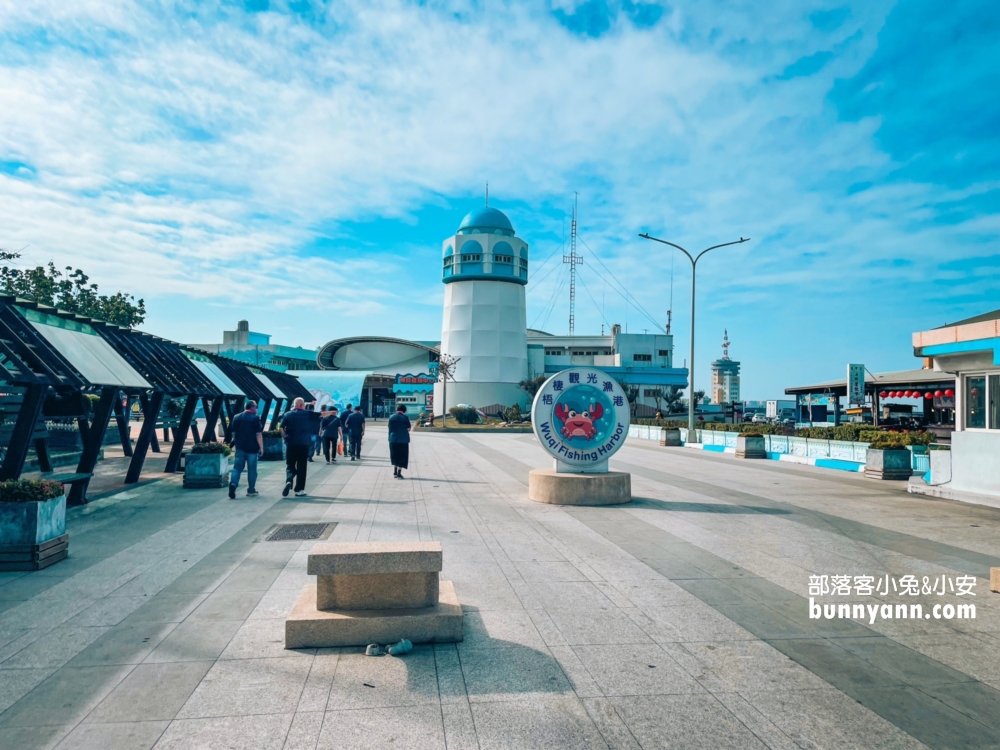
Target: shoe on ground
252,493
232,492
287,489
301,493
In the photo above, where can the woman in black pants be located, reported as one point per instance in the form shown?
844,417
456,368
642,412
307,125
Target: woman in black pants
399,441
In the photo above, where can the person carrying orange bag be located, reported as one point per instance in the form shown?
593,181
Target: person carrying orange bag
331,430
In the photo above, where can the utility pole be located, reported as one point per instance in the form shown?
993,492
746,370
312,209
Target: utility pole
573,259
694,267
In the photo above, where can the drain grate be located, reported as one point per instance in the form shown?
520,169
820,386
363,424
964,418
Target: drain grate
287,532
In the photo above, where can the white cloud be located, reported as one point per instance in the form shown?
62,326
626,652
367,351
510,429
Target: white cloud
203,147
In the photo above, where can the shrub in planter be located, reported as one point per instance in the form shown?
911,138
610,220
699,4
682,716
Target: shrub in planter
888,458
32,524
201,449
207,465
750,443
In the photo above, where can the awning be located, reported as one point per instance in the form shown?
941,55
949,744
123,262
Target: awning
902,380
83,348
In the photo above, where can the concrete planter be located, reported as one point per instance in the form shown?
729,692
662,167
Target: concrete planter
33,535
205,470
670,436
888,464
274,448
750,446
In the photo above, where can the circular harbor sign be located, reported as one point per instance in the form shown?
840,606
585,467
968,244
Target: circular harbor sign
581,417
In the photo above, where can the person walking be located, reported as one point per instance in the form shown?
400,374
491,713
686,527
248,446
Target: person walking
356,428
331,431
399,441
346,434
248,439
298,430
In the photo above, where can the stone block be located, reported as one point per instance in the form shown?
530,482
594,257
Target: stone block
888,464
750,446
670,437
377,591
995,580
309,627
562,488
373,558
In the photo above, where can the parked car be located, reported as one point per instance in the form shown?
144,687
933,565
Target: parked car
759,419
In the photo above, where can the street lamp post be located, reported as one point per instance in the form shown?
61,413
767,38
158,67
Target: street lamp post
694,266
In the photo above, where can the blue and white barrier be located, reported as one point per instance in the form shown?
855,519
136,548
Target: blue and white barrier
842,455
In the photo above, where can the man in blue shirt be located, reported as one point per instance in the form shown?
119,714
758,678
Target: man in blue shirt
331,434
356,428
298,429
248,439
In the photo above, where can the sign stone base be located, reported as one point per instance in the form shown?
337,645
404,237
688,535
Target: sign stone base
558,488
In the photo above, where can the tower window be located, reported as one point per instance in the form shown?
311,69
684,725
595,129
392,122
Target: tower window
642,357
471,258
503,259
664,352
524,262
449,260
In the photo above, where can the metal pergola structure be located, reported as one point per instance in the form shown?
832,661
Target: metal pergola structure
43,349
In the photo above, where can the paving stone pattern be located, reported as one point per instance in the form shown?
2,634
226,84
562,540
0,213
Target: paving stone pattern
677,621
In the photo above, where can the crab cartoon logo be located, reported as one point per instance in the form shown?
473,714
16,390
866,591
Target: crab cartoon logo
579,424
581,416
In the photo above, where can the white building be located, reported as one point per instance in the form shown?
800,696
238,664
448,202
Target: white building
485,270
725,377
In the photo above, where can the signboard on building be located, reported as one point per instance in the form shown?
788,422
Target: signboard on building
581,418
856,384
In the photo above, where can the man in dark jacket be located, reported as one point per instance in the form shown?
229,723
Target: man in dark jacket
356,428
248,439
331,434
298,429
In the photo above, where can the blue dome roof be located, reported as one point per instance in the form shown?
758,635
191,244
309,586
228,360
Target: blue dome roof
486,219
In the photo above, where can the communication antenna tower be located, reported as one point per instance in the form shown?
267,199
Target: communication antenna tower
573,259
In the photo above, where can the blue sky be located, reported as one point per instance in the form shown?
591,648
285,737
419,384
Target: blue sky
298,163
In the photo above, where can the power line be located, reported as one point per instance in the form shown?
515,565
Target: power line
587,290
627,294
555,299
549,301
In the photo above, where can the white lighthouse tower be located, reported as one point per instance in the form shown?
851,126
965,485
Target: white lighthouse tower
485,272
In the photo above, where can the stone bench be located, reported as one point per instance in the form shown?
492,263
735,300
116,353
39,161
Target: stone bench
374,592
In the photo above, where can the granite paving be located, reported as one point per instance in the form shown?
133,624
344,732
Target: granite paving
681,620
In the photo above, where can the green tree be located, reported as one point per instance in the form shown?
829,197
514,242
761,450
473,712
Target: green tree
70,291
532,385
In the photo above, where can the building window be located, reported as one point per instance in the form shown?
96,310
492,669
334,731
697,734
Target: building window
994,395
449,260
975,402
524,262
584,353
503,259
554,352
471,258
642,357
664,352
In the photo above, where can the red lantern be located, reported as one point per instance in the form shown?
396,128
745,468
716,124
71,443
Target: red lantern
928,394
938,394
949,393
910,394
892,394
883,394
